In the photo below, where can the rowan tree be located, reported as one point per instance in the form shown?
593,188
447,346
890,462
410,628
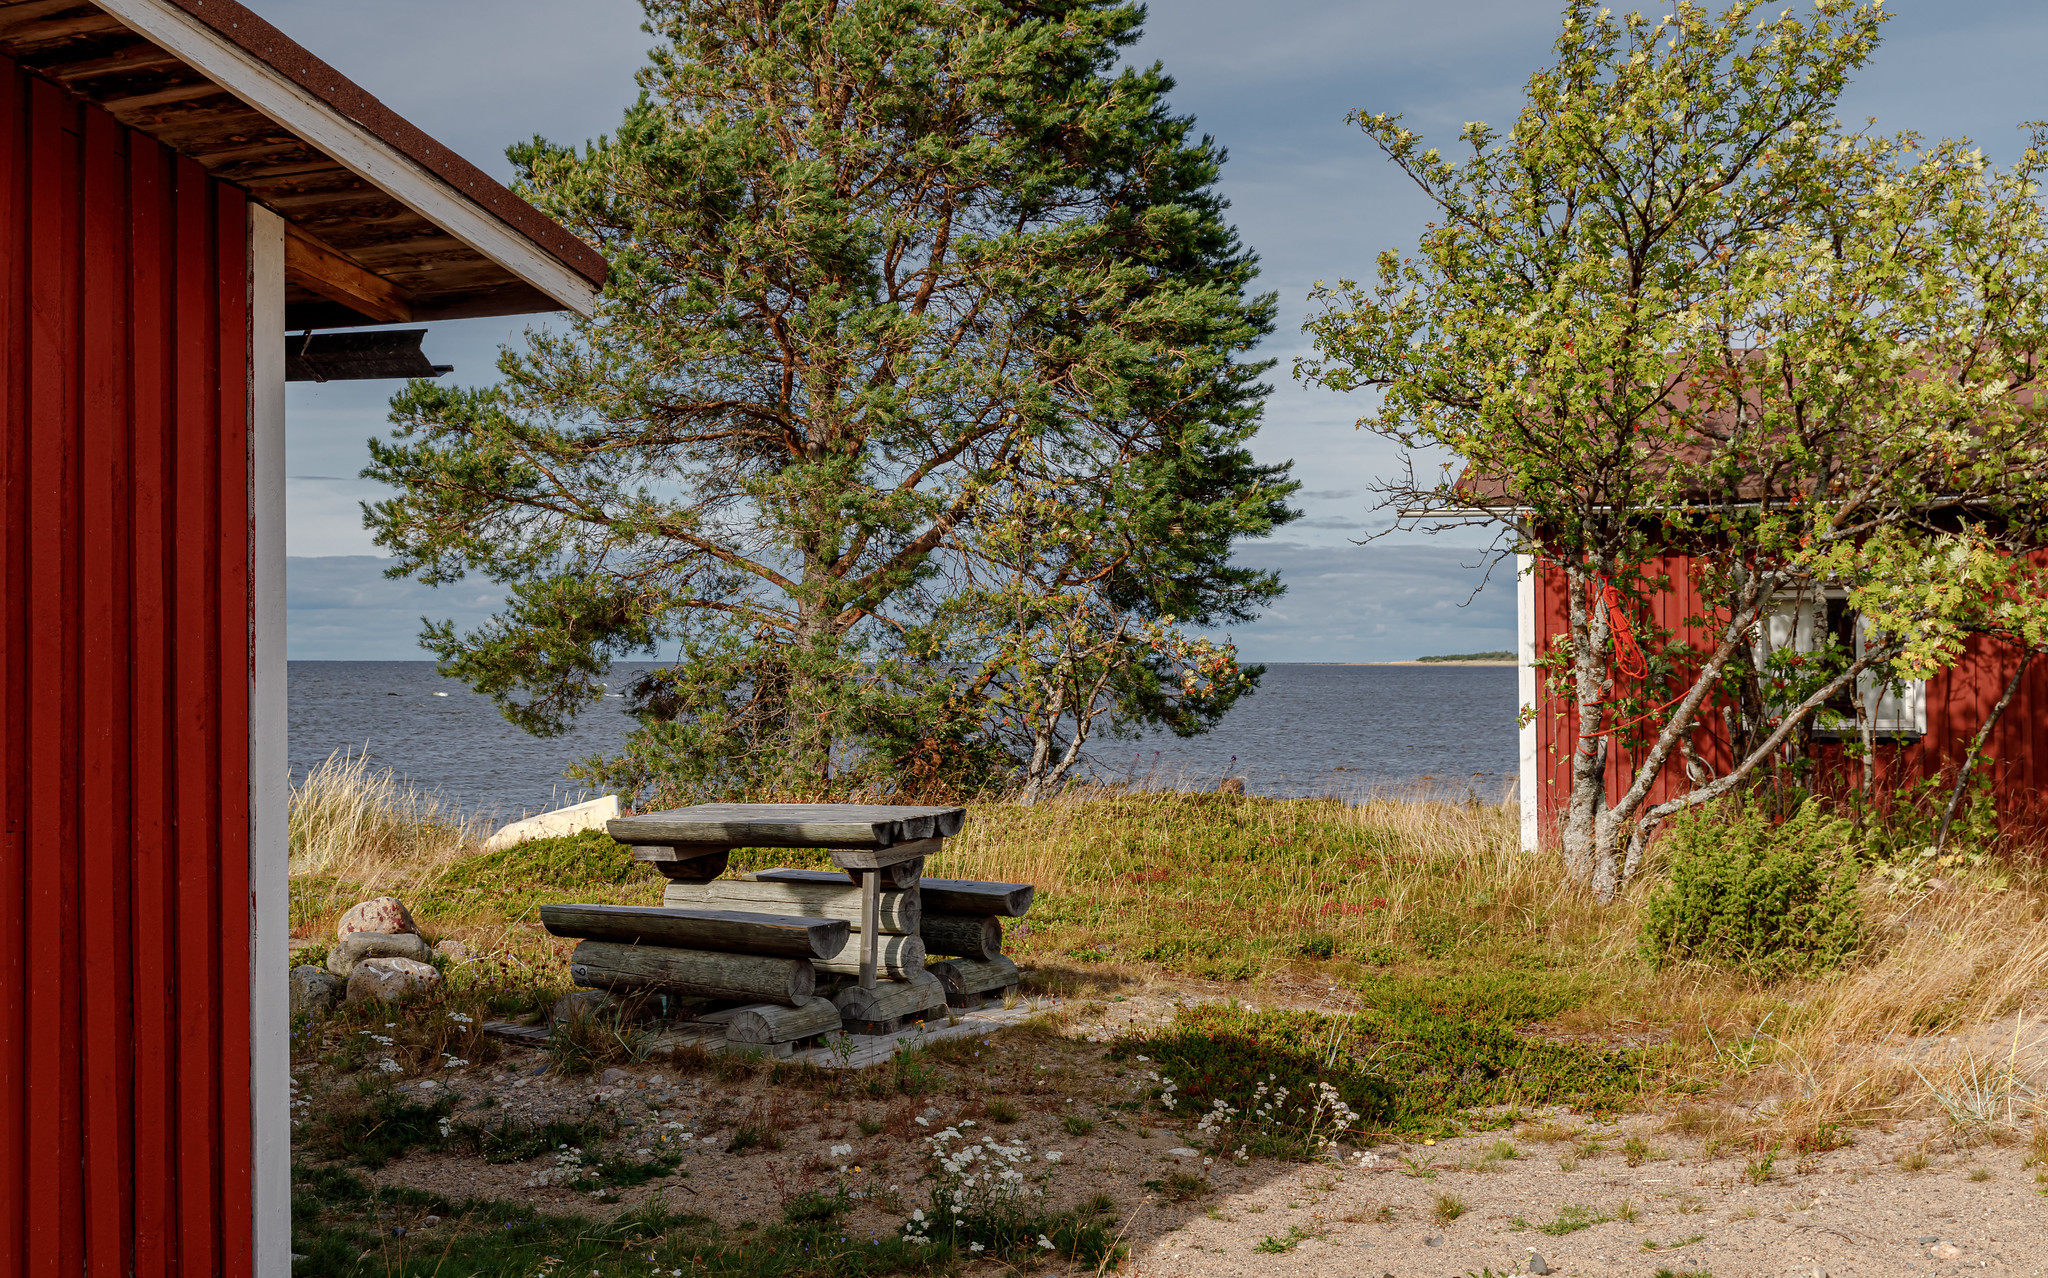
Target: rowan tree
1678,308
878,267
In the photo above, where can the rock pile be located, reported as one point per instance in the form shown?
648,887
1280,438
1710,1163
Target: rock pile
378,954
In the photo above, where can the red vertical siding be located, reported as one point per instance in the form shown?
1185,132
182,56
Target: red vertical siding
1958,699
125,650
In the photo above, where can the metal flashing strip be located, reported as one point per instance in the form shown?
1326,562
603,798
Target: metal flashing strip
353,146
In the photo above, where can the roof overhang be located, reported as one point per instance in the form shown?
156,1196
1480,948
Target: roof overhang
387,225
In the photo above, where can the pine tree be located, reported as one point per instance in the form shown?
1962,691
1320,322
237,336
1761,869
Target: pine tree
884,274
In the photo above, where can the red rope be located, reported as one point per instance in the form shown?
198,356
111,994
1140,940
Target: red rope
1628,654
1629,659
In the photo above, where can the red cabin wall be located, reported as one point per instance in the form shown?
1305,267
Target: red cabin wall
125,640
1958,699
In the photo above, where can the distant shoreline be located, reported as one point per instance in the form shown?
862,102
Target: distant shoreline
1432,663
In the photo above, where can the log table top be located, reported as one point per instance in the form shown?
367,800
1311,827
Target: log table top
864,831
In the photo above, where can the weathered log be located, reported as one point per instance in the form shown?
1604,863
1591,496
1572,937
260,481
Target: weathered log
918,992
965,934
789,825
896,956
790,935
973,976
834,899
901,876
702,973
975,936
972,896
768,1023
851,859
688,865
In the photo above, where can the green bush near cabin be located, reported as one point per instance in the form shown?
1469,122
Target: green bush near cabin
1768,899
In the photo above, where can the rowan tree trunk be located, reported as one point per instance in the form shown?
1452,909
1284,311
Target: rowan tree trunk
1591,683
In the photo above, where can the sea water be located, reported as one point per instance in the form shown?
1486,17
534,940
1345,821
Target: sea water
1348,730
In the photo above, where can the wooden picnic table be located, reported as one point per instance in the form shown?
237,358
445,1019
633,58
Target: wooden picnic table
861,838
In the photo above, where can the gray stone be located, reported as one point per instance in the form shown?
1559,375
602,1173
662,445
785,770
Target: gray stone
357,946
1434,1240
1537,1265
389,980
614,1076
378,914
313,990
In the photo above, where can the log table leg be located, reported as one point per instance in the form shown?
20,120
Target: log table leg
870,938
867,865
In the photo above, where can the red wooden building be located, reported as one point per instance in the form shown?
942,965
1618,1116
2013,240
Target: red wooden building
1923,728
180,186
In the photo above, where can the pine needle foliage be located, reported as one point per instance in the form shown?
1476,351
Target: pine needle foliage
912,416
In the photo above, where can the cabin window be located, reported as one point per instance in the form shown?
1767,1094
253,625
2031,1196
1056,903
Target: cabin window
1815,620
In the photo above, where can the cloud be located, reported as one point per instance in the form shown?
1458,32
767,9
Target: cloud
1309,193
1343,603
1378,602
343,608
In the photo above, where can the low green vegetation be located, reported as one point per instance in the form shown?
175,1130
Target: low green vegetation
1571,1218
370,1125
1768,899
1405,1069
515,881
1486,981
1501,655
345,1227
1232,887
1294,1237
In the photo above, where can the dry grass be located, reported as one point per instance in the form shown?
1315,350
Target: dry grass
1931,1024
373,828
1391,897
1231,887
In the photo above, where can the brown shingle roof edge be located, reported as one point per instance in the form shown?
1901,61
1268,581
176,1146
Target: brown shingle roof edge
290,59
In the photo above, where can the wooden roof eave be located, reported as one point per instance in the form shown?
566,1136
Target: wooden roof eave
404,229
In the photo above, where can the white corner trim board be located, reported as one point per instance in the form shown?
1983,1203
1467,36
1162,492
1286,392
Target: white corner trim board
352,146
1525,690
270,1015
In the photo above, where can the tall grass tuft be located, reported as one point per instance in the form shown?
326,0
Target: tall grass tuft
359,830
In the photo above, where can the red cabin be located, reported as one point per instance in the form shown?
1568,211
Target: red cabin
180,187
1923,729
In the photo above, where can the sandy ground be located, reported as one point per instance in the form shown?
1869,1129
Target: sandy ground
1854,1211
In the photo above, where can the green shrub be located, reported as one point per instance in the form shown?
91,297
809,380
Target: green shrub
1771,900
511,881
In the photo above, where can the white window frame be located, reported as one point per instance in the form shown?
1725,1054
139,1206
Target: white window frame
1798,620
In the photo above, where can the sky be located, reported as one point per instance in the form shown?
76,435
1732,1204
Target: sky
1272,82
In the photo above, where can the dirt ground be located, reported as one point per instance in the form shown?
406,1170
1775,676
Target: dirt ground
1457,1207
